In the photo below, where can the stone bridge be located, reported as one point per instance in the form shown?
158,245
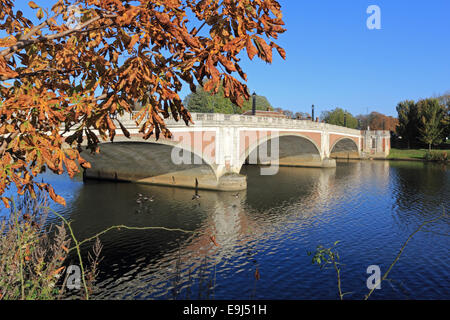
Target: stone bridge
210,153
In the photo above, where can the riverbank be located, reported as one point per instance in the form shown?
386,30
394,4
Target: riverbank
410,154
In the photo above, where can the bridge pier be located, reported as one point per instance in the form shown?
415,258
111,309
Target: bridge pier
302,163
182,179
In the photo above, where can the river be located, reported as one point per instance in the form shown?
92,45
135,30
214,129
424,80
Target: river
371,207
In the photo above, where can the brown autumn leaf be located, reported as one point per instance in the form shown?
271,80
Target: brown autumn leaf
124,52
257,275
55,197
280,50
57,271
264,50
6,202
213,240
33,5
251,49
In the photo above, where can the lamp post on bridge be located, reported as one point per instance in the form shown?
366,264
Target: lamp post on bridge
312,113
254,103
345,118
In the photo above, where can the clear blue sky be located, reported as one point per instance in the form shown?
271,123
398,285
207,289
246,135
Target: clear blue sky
333,60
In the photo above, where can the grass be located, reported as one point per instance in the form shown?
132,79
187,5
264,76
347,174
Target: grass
408,153
33,254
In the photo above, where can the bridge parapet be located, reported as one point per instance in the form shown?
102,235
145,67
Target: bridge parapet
237,120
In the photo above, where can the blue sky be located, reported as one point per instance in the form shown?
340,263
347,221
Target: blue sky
334,60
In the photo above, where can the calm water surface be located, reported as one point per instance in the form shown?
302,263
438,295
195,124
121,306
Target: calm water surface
370,207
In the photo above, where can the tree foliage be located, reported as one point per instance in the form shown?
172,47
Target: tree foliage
301,115
57,75
445,101
337,117
377,121
426,121
288,113
431,117
206,102
408,121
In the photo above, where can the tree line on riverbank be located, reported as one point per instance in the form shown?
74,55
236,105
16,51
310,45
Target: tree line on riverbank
206,102
426,121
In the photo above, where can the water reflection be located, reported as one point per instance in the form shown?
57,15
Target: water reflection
421,191
371,207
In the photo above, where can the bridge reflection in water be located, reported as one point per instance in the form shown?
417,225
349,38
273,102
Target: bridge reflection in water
370,206
145,264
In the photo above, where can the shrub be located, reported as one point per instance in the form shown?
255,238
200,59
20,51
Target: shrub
32,254
30,262
436,156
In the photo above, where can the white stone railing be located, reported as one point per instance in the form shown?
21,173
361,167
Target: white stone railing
218,119
377,132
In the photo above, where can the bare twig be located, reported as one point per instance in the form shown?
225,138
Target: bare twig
118,227
338,272
401,251
79,243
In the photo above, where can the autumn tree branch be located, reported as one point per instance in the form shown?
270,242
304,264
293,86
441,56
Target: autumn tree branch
21,44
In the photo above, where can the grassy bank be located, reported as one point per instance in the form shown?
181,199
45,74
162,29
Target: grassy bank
408,154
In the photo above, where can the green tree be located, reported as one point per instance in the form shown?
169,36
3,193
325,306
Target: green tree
446,120
431,126
408,121
445,98
445,101
337,116
206,102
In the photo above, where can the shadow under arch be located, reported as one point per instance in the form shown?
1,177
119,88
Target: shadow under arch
152,163
344,148
195,156
294,150
147,162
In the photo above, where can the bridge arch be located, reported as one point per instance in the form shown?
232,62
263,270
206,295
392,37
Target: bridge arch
151,163
344,147
184,146
294,149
